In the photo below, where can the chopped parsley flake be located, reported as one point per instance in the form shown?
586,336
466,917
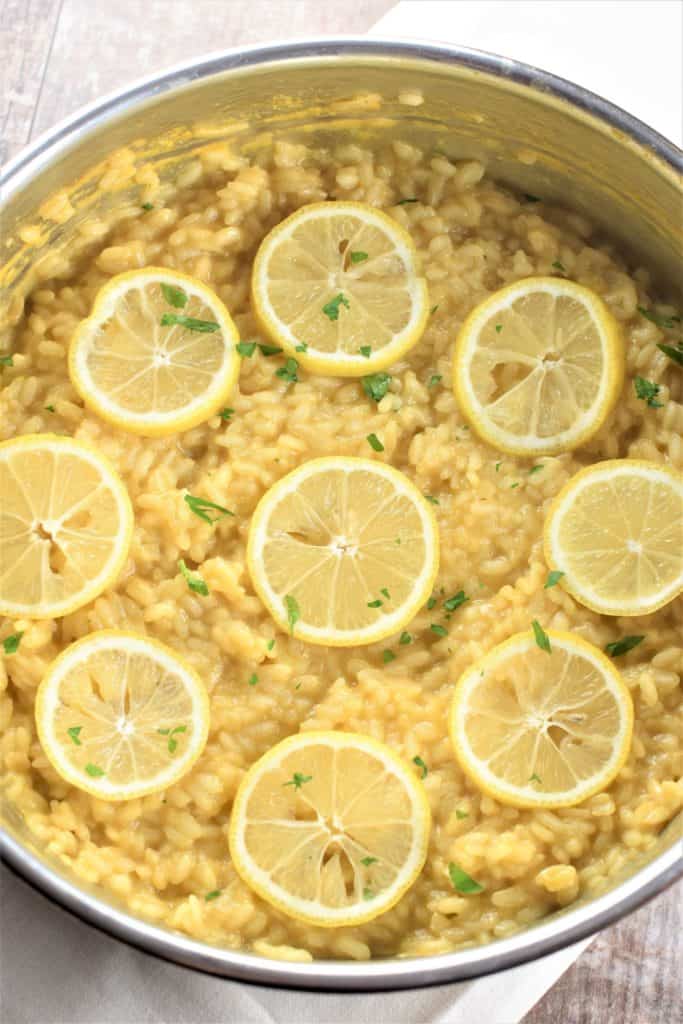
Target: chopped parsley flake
288,371
554,577
385,593
666,323
388,656
11,643
541,637
331,308
269,350
303,347
49,408
432,499
435,379
461,814
498,465
293,613
6,360
375,443
174,296
375,604
193,580
535,778
368,894
246,348
402,202
94,771
498,328
226,413
366,351
647,390
512,486
422,766
270,644
376,385
213,895
433,310
147,206
531,199
676,354
623,646
454,602
559,266
201,507
73,733
358,257
430,603
462,882
405,638
252,680
367,861
439,630
172,744
297,780
536,469
190,323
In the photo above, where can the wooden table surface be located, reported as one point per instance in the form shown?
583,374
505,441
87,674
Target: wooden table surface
56,55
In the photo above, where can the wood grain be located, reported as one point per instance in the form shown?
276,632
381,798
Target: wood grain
27,29
56,55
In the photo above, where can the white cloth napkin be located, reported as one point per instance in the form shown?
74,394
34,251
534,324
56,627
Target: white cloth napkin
56,970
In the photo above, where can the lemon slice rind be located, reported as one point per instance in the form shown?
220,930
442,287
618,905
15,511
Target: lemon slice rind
310,911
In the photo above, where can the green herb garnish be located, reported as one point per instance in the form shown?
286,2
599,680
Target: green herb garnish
536,469
666,323
531,199
147,206
367,861
193,580
375,443
213,895
461,814
293,613
535,778
288,371
73,733
331,308
366,351
270,644
297,780
189,322
454,602
422,766
269,350
6,360
11,643
432,499
385,593
402,202
201,506
439,630
498,328
405,638
226,413
388,656
498,465
462,882
172,744
676,354
435,379
246,348
541,637
433,310
49,408
375,604
376,385
647,390
358,257
368,894
303,347
430,603
252,680
623,646
512,486
174,296
559,266
554,577
94,771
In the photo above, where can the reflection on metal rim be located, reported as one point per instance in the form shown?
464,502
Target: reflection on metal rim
559,931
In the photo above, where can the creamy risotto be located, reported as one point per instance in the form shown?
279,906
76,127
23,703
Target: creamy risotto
165,856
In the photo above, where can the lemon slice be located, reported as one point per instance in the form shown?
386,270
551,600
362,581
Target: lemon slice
538,366
157,355
120,715
616,532
330,827
343,551
336,285
66,523
539,728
